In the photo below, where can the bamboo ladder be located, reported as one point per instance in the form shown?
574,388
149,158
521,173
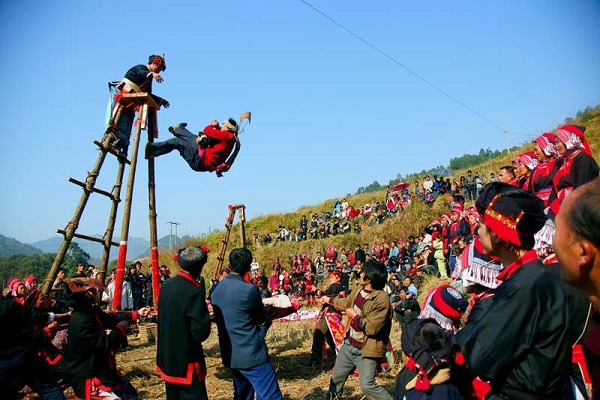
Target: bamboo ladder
146,120
241,209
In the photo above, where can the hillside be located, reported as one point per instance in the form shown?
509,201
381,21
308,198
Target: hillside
10,247
412,221
137,247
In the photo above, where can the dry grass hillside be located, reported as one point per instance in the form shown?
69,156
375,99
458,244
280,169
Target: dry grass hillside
412,221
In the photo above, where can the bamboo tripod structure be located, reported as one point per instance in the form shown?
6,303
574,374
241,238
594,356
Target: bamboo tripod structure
146,120
241,209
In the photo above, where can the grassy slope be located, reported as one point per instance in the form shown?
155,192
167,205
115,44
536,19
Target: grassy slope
412,221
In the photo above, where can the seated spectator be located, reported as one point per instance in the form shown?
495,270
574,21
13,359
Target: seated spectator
407,307
429,355
446,305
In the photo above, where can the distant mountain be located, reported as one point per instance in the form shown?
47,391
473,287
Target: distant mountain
10,246
136,247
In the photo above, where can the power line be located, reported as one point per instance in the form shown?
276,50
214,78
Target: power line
392,59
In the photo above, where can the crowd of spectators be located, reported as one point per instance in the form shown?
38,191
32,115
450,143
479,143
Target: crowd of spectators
484,252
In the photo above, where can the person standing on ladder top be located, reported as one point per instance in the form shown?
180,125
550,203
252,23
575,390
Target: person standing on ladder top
137,79
208,151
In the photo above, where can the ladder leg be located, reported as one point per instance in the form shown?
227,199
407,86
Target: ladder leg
152,214
127,211
108,234
74,223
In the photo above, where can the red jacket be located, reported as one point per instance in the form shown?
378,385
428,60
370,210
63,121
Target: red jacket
216,153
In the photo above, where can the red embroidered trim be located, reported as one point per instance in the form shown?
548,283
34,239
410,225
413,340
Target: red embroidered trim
509,270
189,278
184,380
503,226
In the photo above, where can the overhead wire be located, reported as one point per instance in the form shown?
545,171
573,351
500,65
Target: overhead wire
409,70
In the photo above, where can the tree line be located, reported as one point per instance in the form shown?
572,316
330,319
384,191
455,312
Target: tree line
38,265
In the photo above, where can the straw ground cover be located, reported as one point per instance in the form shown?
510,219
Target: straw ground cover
289,347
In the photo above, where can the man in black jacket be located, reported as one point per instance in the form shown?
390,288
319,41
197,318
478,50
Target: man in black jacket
183,324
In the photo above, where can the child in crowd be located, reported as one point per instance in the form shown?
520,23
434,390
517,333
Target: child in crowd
430,355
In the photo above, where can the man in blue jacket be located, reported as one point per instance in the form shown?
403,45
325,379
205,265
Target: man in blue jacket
239,313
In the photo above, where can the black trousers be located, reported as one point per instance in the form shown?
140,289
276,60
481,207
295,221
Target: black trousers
195,391
185,143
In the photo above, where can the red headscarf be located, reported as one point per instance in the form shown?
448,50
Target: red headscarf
547,143
574,138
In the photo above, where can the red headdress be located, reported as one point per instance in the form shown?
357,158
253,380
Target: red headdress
547,143
528,159
574,138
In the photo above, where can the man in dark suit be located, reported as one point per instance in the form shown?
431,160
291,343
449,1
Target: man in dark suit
239,313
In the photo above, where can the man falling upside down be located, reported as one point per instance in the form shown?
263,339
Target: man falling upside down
215,149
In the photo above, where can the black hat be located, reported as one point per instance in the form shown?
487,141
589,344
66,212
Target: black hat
192,259
511,213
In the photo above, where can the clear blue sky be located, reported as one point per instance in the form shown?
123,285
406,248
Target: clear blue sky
330,113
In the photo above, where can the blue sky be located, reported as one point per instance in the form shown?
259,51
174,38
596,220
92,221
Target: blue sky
330,113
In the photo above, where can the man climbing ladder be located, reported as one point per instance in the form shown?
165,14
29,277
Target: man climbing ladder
214,150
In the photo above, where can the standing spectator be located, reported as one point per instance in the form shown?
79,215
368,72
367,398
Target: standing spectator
493,177
303,227
239,313
470,185
321,332
183,324
136,284
427,185
436,186
478,184
527,323
418,191
368,308
165,273
359,254
79,271
274,282
59,286
126,295
255,266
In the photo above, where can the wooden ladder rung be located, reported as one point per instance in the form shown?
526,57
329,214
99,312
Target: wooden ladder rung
90,238
113,151
95,190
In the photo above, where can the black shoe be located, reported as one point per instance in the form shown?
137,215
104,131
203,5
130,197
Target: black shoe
148,151
181,125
